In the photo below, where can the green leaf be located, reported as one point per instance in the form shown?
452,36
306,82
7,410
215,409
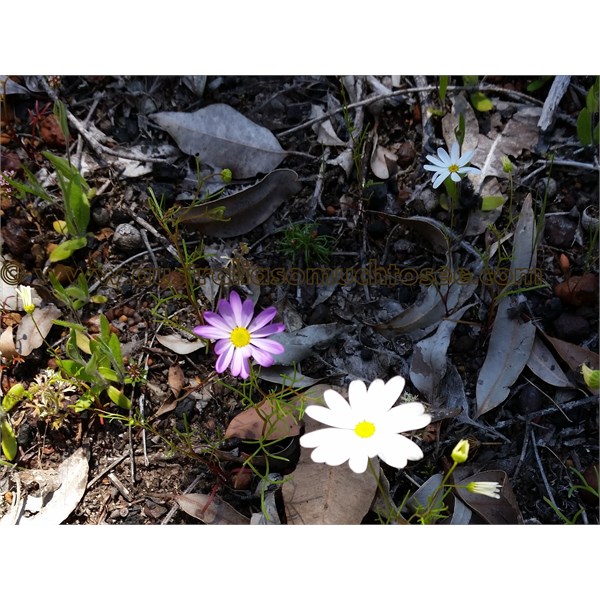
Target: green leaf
584,127
67,248
98,299
60,113
492,202
470,80
443,86
591,100
118,397
13,396
9,441
481,102
536,84
69,324
77,209
459,131
108,374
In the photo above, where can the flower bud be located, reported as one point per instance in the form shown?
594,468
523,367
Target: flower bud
226,175
591,377
507,166
460,452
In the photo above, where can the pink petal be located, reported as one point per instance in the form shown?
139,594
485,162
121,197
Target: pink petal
263,318
222,345
270,346
264,359
267,330
224,359
236,307
211,333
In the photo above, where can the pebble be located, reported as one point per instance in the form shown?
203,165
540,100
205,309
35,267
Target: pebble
127,238
530,399
571,328
560,231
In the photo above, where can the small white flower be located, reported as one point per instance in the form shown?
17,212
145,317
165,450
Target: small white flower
366,426
452,165
24,292
486,488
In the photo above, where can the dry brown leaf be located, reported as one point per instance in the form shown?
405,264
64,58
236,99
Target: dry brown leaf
180,345
176,379
263,421
210,510
573,355
544,365
496,511
240,213
8,349
318,494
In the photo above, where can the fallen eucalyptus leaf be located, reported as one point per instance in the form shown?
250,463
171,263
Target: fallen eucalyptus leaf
429,359
496,511
224,138
33,329
179,345
511,339
384,163
265,421
176,379
65,489
287,376
572,354
211,510
543,364
303,343
326,135
8,350
240,213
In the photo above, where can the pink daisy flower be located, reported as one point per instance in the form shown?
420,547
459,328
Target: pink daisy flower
239,336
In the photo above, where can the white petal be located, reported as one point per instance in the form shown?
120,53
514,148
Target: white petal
358,462
440,179
454,153
357,394
436,161
455,177
444,156
405,417
465,158
396,450
334,418
336,401
391,392
464,170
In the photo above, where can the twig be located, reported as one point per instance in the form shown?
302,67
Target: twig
548,411
175,507
119,485
316,197
541,468
557,91
414,90
523,451
108,469
143,223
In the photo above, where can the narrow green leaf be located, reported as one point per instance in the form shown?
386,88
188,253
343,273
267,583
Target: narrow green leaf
591,100
538,83
60,113
470,80
443,86
13,397
9,441
492,202
584,127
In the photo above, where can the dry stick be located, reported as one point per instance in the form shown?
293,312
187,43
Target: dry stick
414,90
143,223
316,197
523,451
547,411
175,508
108,469
541,468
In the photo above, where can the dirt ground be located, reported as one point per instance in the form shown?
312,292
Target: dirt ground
357,147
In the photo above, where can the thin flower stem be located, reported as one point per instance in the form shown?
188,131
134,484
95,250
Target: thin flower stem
383,493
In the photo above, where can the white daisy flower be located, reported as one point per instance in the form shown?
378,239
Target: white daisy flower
24,293
452,165
366,426
486,488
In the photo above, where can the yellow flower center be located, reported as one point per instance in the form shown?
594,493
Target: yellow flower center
453,168
240,337
364,429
